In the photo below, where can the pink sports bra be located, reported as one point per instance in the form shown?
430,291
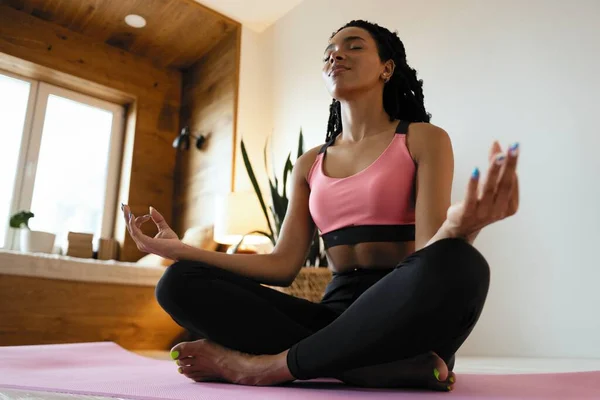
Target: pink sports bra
374,205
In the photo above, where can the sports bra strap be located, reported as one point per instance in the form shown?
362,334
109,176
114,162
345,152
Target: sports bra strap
402,127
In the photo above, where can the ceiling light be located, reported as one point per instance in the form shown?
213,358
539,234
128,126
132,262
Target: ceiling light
136,21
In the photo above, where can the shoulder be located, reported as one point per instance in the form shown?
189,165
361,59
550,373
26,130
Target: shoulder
305,162
426,139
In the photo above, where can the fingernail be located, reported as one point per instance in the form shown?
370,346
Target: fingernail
174,354
180,370
475,173
122,205
451,379
436,373
514,149
500,159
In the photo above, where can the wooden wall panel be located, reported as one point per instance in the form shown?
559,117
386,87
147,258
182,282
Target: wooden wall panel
209,105
153,96
59,311
44,43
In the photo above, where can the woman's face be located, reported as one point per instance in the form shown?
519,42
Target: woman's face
351,64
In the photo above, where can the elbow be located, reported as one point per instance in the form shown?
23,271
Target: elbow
287,270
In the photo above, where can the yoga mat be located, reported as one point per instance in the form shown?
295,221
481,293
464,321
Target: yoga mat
105,369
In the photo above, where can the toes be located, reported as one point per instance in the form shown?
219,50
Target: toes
445,385
440,370
444,379
185,349
452,378
185,361
187,371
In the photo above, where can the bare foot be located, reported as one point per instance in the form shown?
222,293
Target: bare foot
427,371
206,361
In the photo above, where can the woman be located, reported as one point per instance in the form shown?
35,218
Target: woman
408,286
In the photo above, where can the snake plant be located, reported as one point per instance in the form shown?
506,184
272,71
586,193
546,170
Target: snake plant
275,212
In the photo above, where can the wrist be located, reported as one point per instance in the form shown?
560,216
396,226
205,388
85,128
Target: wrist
450,230
182,252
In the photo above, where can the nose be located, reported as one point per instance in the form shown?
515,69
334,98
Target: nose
336,55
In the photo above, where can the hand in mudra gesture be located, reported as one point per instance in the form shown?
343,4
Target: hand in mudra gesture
497,198
165,243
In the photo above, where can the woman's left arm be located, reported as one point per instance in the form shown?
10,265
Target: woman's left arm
495,199
432,150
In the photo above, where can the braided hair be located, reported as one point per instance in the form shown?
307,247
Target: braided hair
402,95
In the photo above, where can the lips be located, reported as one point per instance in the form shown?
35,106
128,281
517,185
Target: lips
338,69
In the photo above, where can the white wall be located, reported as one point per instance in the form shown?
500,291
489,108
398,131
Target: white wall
507,70
255,110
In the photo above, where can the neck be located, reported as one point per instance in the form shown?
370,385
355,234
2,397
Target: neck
364,116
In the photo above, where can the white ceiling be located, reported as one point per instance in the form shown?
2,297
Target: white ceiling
257,15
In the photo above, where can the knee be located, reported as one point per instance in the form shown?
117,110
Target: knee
460,259
174,281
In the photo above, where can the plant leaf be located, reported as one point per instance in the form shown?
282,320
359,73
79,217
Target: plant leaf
286,170
20,219
277,206
255,185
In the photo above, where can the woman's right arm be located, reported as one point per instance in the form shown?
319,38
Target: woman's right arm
281,266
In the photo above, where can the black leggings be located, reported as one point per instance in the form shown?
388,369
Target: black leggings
431,301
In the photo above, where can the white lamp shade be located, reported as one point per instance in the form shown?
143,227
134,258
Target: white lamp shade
239,213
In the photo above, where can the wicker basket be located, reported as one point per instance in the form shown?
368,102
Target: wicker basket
309,284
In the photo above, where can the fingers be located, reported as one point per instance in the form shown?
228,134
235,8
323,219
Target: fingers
503,204
472,189
139,221
133,228
494,151
158,219
486,201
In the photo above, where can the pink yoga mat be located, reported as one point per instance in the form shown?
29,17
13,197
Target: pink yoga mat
105,369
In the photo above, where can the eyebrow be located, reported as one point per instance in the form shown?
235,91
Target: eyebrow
346,39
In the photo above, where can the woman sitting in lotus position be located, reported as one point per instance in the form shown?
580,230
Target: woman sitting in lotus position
408,286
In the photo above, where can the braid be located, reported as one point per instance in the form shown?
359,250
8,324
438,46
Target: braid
334,126
403,96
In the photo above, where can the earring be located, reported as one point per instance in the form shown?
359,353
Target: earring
386,78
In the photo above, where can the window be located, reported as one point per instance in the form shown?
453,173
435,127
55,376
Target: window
60,157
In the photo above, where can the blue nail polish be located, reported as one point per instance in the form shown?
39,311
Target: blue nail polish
475,173
514,146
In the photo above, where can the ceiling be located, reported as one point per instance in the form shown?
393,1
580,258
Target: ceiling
177,34
257,15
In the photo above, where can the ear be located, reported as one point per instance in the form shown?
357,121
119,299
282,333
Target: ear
388,70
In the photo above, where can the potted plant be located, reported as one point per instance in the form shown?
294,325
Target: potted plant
279,203
31,241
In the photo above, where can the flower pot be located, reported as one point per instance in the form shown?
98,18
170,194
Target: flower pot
36,241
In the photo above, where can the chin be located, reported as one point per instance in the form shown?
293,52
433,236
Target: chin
346,92
346,89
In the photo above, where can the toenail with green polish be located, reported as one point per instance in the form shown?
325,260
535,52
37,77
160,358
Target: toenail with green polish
180,370
449,388
174,354
436,373
451,379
